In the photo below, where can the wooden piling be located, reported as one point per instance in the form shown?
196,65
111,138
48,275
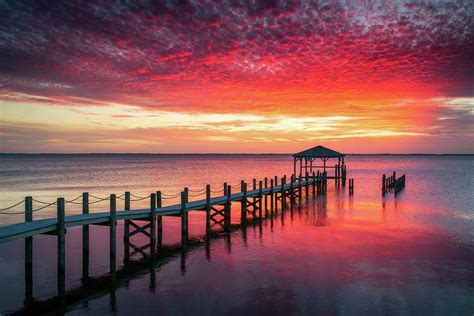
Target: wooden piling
276,194
283,193
300,190
113,235
61,231
184,217
243,209
153,223
28,253
292,191
307,183
260,199
208,211
383,185
228,207
266,199
159,219
85,238
272,192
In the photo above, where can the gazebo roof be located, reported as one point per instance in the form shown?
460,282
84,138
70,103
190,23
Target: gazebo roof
319,152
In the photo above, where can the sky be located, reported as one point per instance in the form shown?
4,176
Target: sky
236,76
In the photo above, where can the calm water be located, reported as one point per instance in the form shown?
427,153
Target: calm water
332,255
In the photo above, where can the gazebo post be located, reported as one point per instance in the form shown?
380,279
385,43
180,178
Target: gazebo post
301,166
294,165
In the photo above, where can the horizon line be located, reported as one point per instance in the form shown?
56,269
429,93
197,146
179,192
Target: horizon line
144,153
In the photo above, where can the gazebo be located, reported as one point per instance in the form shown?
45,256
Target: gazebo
320,153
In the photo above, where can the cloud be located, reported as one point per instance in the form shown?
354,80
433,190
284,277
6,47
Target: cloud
208,72
169,52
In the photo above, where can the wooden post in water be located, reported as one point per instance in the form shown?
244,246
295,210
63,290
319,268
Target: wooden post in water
292,191
184,217
113,235
276,194
85,238
300,190
28,254
153,223
314,184
271,195
383,185
318,182
243,203
307,183
208,211
394,185
260,199
283,193
126,226
61,231
159,218
254,187
227,212
266,200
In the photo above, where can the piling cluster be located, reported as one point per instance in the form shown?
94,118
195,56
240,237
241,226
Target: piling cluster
392,183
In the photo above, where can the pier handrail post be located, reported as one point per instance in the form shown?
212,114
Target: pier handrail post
276,193
300,190
126,227
152,222
225,188
228,208
283,193
260,184
271,195
208,210
127,201
254,187
265,196
184,217
243,209
159,219
113,235
85,238
28,253
61,231
292,189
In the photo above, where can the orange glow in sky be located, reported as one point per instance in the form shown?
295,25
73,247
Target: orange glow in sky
185,78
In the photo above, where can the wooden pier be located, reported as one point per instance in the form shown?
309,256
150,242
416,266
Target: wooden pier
280,193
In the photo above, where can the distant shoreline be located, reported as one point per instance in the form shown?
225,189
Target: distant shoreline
215,154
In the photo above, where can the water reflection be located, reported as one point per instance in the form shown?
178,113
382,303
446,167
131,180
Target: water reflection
360,253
